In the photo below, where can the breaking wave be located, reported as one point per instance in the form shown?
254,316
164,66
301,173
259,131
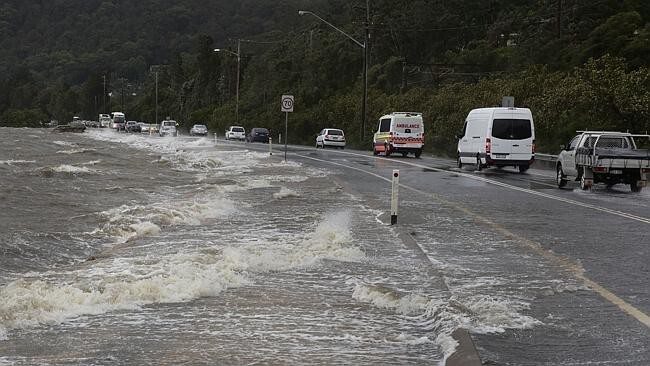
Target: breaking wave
111,284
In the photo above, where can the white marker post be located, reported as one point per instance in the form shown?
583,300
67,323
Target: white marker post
270,145
286,107
394,198
215,138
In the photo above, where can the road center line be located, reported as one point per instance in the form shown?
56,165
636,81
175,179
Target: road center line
536,247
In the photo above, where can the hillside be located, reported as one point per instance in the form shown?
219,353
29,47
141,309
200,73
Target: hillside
576,63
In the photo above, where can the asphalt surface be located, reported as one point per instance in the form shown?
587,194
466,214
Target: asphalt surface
579,258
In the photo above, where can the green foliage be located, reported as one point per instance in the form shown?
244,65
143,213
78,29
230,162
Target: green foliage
23,118
582,66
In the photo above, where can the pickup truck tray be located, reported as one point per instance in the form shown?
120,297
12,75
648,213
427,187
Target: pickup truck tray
615,153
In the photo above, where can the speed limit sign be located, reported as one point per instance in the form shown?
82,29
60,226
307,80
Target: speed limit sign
287,103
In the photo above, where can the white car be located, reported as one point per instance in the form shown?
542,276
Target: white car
235,133
199,130
168,127
144,127
330,137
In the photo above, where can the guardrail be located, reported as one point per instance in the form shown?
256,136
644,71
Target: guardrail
546,157
545,160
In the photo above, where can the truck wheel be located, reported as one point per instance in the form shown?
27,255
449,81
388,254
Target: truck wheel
634,188
523,168
561,178
404,154
418,153
478,166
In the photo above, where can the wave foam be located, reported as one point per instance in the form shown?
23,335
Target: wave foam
479,314
331,240
181,277
16,162
74,151
285,193
130,222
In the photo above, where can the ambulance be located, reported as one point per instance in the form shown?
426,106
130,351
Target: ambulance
401,133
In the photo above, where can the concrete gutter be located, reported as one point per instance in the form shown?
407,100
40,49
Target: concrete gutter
466,354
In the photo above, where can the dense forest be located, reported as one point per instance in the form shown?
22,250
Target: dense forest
578,64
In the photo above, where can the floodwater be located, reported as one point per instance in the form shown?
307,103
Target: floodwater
135,249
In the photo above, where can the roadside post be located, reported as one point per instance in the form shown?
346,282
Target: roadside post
215,138
270,145
286,107
394,198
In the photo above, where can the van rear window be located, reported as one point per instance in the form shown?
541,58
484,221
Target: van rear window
511,129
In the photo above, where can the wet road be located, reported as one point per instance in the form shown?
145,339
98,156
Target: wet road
577,262
123,249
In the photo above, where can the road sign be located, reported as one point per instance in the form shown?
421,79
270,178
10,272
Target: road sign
287,103
508,102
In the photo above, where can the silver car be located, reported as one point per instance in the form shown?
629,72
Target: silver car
200,130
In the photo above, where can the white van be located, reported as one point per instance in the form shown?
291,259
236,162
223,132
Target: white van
118,120
497,137
168,127
399,132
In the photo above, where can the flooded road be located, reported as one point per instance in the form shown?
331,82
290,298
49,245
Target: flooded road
124,249
135,249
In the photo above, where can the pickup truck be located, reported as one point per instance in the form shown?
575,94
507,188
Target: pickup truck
604,157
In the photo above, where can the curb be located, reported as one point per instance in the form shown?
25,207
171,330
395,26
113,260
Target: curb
466,353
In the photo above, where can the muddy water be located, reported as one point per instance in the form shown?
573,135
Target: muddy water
124,249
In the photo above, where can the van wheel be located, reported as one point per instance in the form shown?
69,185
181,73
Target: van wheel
523,168
387,151
374,150
478,166
583,183
634,188
560,177
418,153
459,163
404,154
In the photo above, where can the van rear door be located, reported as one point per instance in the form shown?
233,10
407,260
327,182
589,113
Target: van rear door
512,139
408,132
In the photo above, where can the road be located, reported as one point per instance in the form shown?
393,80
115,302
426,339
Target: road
134,249
577,260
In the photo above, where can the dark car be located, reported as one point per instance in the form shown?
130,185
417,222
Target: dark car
258,135
132,126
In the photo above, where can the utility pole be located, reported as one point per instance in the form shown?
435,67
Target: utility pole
366,53
559,19
156,73
104,95
237,84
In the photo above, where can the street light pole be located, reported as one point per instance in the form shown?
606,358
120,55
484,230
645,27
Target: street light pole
104,95
156,121
238,55
363,45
